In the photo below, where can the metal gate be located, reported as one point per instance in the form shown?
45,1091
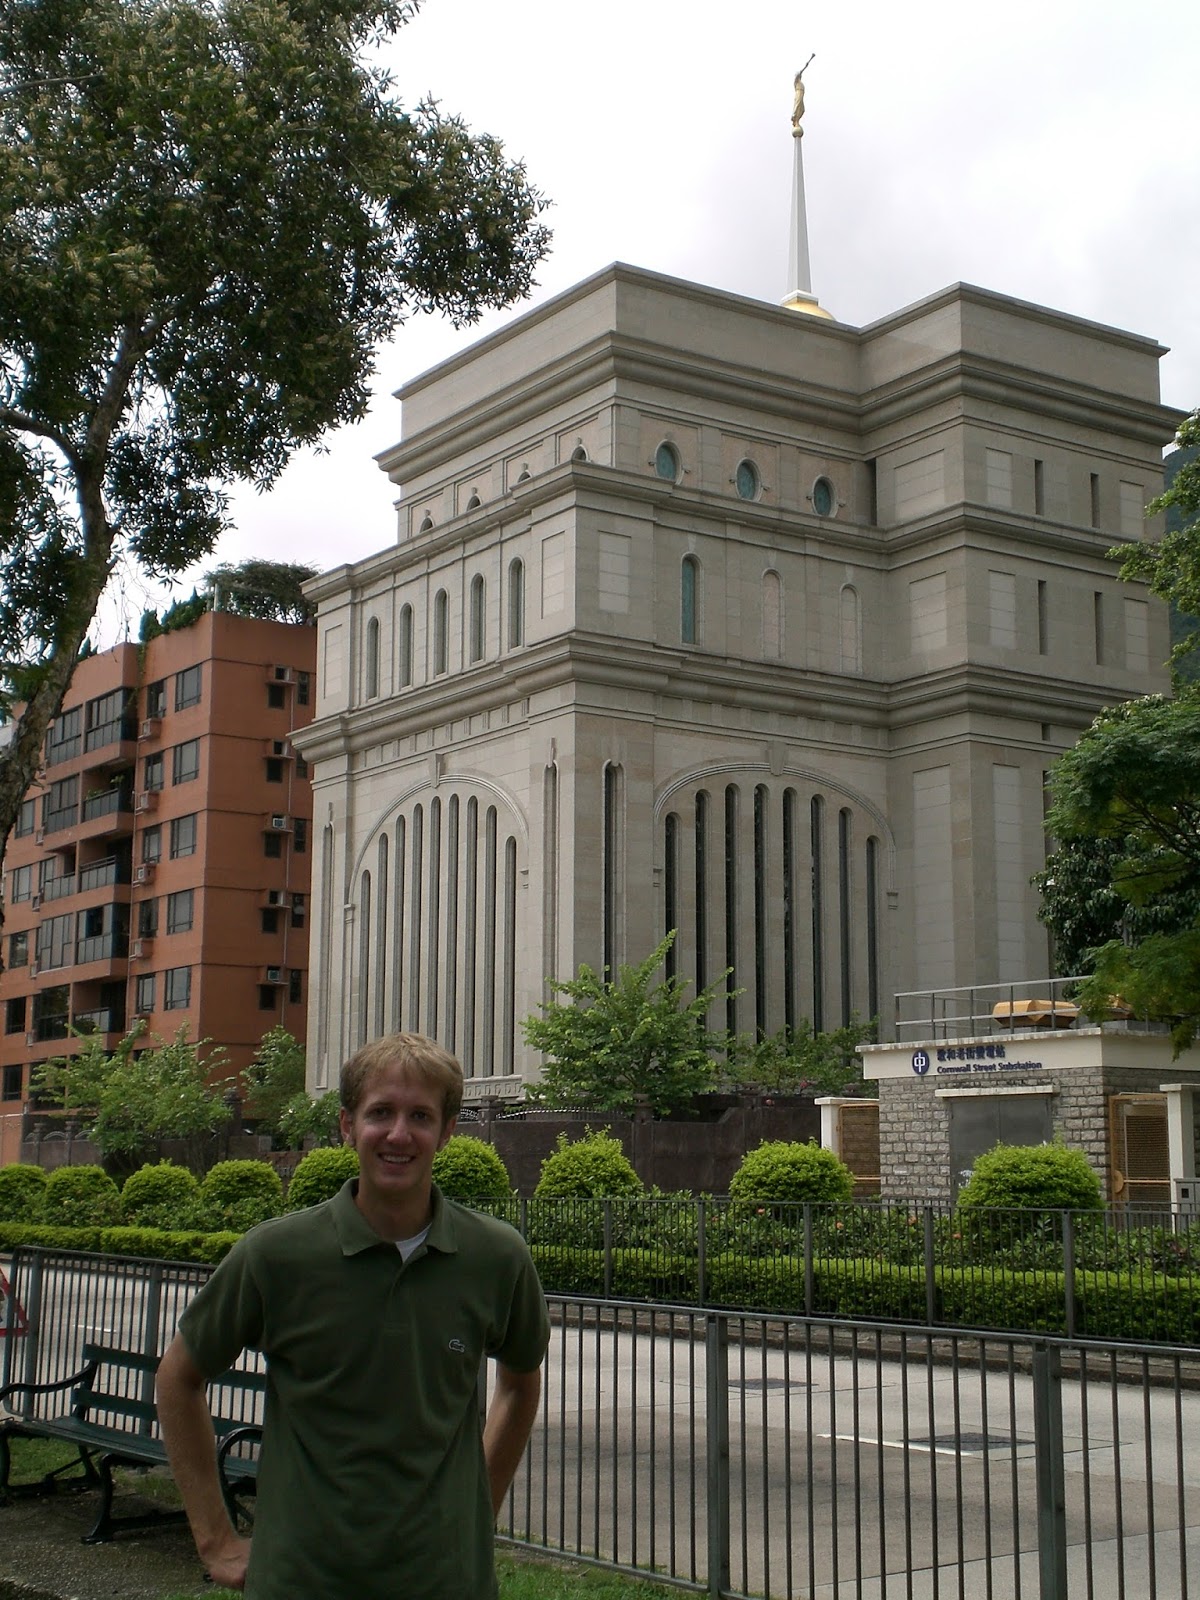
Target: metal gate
1139,1155
977,1122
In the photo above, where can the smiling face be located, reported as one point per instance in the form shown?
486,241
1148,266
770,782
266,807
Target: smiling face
397,1127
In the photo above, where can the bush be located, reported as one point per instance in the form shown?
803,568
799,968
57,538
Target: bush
470,1169
594,1166
80,1197
1042,1177
161,1196
235,1195
778,1171
22,1190
320,1175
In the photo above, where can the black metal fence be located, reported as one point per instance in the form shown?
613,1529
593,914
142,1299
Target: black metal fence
787,1456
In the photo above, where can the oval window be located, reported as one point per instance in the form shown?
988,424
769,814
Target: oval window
746,480
666,462
823,498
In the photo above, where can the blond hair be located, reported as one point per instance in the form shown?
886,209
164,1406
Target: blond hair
416,1056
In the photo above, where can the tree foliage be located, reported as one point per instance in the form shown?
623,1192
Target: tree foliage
303,1118
211,216
1171,565
274,1078
609,1041
797,1059
129,1101
1132,783
271,590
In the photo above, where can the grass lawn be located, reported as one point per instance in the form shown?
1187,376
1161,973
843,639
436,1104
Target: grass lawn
521,1577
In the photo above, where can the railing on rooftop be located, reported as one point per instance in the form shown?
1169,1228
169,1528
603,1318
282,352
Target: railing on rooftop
988,1008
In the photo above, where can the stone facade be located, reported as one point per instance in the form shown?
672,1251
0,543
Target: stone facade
707,616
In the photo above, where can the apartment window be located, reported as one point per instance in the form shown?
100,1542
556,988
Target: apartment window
302,688
156,697
300,835
266,997
108,719
26,817
60,805
18,950
145,993
180,910
187,688
14,1014
152,772
273,846
270,920
276,698
301,766
183,836
147,919
62,739
516,603
298,910
20,884
152,843
177,988
295,985
185,761
10,1085
274,769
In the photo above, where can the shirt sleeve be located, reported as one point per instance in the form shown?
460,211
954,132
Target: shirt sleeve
526,1334
226,1316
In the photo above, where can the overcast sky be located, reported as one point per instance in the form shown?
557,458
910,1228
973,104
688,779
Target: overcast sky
1047,149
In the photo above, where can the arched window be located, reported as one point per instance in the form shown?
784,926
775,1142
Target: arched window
772,615
667,463
404,647
851,630
474,502
441,632
689,588
747,481
477,618
426,523
579,453
516,603
371,688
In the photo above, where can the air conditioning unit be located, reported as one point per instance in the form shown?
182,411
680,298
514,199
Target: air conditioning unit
31,1038
276,897
149,727
141,947
279,747
40,836
144,873
273,975
147,800
36,903
33,969
279,822
279,674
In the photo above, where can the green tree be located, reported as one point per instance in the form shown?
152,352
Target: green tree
1133,783
211,216
796,1059
272,590
608,1042
303,1118
131,1101
274,1078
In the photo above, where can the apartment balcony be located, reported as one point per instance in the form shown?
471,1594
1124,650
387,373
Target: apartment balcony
105,1020
100,874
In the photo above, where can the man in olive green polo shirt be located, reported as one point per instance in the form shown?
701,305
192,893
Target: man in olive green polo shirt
374,1311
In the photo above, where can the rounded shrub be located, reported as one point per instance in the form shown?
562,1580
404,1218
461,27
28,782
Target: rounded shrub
778,1172
470,1169
592,1167
22,1190
80,1197
159,1196
320,1175
1036,1177
236,1195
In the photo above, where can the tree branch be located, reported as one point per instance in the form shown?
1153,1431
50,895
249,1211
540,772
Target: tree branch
23,423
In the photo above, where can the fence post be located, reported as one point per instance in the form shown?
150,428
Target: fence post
33,1320
930,1286
808,1259
608,1272
154,1290
701,1251
1069,1271
1051,1482
716,1383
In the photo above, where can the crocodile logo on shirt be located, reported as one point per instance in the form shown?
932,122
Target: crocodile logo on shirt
457,1346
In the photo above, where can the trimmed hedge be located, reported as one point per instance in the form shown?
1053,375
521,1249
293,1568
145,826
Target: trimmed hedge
22,1190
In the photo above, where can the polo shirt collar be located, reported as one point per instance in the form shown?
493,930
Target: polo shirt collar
355,1233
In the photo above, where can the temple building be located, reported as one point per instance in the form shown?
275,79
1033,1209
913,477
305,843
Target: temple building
727,618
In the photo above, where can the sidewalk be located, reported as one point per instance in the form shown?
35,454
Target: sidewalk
41,1557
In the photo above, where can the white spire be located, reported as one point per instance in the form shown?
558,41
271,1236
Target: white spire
800,296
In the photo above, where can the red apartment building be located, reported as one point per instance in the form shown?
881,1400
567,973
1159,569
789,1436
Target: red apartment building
160,867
